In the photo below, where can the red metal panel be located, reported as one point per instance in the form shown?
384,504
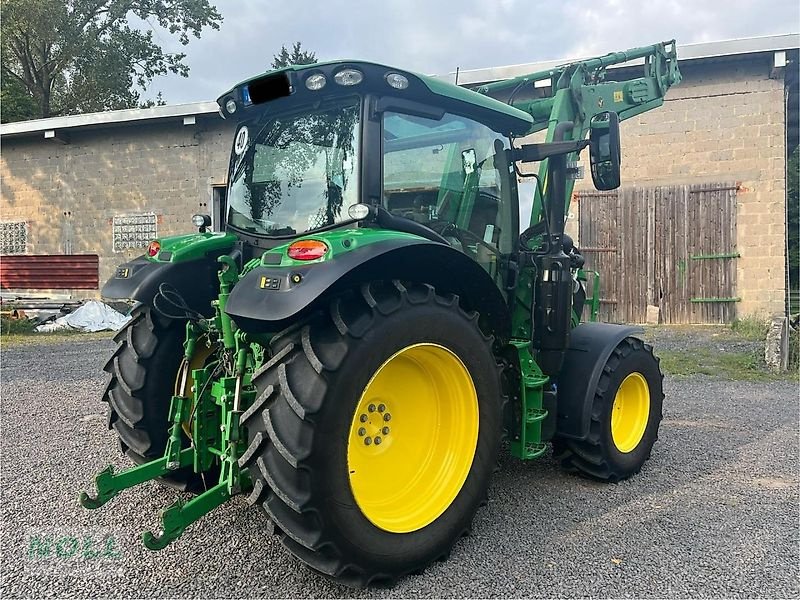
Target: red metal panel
49,272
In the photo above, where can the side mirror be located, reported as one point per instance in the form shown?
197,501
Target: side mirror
605,153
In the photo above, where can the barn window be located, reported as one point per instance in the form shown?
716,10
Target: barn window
13,237
133,231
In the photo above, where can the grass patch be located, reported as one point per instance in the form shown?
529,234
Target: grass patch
751,328
737,366
20,332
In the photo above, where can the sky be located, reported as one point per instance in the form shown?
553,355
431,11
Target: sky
437,36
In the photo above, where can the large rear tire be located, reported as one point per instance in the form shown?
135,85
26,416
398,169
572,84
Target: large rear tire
375,432
626,413
143,369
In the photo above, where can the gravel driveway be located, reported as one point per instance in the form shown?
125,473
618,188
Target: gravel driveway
713,513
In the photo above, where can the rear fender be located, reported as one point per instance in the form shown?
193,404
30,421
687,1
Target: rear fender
188,263
138,281
590,346
269,298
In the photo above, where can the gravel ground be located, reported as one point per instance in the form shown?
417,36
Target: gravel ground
713,513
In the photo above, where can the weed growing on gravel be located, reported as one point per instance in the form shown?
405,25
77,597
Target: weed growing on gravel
751,328
15,326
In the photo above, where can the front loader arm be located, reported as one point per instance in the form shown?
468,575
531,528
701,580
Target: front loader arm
578,92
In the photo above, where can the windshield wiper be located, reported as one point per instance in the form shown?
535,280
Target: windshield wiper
283,231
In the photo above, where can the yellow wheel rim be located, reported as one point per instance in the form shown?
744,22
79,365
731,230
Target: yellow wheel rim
630,412
413,438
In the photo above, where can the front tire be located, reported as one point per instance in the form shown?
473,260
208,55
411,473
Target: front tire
342,504
626,414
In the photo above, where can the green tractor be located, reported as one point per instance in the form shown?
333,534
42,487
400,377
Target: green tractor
353,349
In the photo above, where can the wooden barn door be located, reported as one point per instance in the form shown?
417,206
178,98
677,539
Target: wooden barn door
671,247
695,252
613,238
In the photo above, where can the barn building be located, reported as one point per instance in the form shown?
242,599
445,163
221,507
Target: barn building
697,232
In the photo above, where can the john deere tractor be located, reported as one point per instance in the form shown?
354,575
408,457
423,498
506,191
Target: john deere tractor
372,321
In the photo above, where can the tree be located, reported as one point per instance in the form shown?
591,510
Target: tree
297,56
15,102
150,103
72,56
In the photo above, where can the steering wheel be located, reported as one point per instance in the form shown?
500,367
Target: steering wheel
445,228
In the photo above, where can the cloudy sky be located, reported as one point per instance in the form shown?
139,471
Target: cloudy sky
436,36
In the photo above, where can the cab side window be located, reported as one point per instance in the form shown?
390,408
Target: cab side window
452,175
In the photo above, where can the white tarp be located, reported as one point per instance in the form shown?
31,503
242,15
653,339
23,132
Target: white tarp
93,315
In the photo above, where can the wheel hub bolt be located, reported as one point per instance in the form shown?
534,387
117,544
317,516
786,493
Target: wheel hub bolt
363,418
378,440
362,432
368,441
371,408
381,407
387,417
385,431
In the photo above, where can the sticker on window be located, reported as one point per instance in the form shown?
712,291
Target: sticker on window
241,141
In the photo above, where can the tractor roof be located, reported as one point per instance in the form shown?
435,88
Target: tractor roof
432,91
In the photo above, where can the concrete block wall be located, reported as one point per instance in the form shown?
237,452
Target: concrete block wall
69,193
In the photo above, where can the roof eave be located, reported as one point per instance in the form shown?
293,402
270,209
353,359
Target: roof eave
107,118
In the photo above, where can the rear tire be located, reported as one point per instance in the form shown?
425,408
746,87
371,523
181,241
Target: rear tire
143,370
613,452
300,430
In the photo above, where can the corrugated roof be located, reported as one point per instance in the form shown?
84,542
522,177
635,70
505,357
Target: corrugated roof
49,272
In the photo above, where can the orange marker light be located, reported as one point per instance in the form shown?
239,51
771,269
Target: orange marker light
153,248
307,250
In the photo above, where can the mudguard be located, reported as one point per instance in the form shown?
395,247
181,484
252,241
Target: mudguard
269,297
195,280
590,346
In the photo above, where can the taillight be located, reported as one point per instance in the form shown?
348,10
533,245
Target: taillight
153,248
307,250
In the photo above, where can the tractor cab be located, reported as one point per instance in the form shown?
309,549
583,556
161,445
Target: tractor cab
342,144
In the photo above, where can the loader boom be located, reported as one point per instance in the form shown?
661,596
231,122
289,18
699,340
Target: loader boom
578,91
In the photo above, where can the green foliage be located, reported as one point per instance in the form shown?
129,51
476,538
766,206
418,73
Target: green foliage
794,351
793,216
150,103
16,104
15,326
751,328
297,56
89,55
